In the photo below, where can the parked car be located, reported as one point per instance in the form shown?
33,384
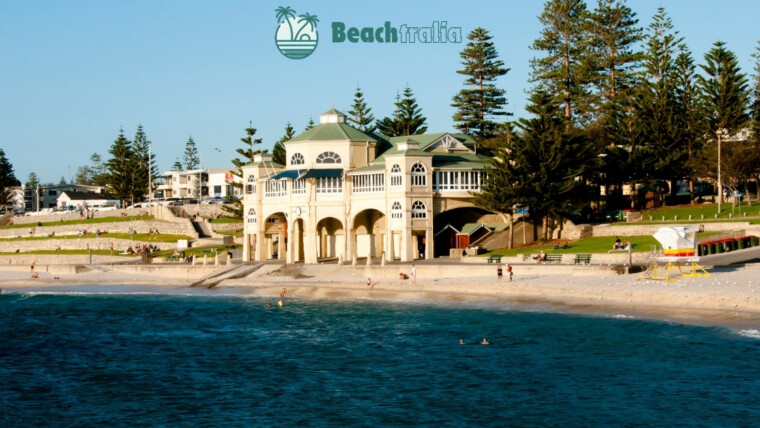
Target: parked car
215,201
171,202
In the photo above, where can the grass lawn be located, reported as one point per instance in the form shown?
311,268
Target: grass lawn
598,244
231,233
226,220
84,221
697,211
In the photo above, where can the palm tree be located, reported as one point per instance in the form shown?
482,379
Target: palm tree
287,13
307,20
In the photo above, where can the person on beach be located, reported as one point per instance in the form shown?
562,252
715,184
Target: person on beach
509,271
31,268
282,294
35,275
369,283
414,274
499,273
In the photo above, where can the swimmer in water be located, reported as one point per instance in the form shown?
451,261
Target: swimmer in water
279,303
461,341
269,304
485,342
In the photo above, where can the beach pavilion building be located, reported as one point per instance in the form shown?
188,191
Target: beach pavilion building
346,194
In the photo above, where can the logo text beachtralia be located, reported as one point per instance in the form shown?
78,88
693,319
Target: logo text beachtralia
437,32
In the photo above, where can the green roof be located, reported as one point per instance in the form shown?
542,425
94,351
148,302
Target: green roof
427,139
332,111
374,166
459,161
469,228
333,132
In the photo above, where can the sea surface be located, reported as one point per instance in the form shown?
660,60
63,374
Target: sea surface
90,359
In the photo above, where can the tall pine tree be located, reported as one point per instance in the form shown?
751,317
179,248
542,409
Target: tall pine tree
755,108
725,95
408,119
247,153
658,113
119,169
554,186
480,101
8,180
278,152
144,166
612,60
361,115
690,116
191,157
561,70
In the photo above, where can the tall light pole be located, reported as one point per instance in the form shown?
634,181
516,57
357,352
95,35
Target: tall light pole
722,132
150,178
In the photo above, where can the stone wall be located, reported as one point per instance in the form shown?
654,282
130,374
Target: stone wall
649,229
141,226
226,227
101,243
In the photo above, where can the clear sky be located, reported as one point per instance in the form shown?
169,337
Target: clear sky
73,72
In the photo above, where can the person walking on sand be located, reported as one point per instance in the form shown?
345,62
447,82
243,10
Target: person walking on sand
282,293
509,271
499,273
31,268
414,274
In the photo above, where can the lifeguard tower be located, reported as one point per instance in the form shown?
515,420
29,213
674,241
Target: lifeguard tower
679,245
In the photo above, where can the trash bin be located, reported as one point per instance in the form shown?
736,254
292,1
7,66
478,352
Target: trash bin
755,241
146,258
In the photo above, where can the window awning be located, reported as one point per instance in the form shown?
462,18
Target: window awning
291,173
324,173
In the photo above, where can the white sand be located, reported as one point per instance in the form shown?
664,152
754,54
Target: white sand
730,296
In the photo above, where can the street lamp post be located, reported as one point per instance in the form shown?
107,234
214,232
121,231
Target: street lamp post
150,178
721,133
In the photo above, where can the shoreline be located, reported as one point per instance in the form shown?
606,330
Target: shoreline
727,298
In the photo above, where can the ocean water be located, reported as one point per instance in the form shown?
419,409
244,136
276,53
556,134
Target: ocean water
122,359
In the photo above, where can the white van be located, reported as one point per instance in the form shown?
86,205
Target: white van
103,207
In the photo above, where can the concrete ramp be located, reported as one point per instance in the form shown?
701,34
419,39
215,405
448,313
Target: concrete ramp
213,279
731,257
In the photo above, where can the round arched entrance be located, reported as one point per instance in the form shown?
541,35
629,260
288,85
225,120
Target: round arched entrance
369,233
460,227
331,240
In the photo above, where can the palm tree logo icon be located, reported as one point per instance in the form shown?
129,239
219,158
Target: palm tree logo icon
296,37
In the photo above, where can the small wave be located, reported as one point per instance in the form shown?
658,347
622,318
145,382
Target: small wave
751,333
623,317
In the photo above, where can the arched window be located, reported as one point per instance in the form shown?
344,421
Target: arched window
251,215
419,177
297,159
396,210
418,210
328,157
396,175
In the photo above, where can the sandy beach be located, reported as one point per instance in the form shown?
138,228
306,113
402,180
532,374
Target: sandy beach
730,296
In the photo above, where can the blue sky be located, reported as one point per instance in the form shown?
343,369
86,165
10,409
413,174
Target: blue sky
74,72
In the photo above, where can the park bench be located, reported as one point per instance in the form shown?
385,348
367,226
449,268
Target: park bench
582,258
553,258
171,258
494,258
